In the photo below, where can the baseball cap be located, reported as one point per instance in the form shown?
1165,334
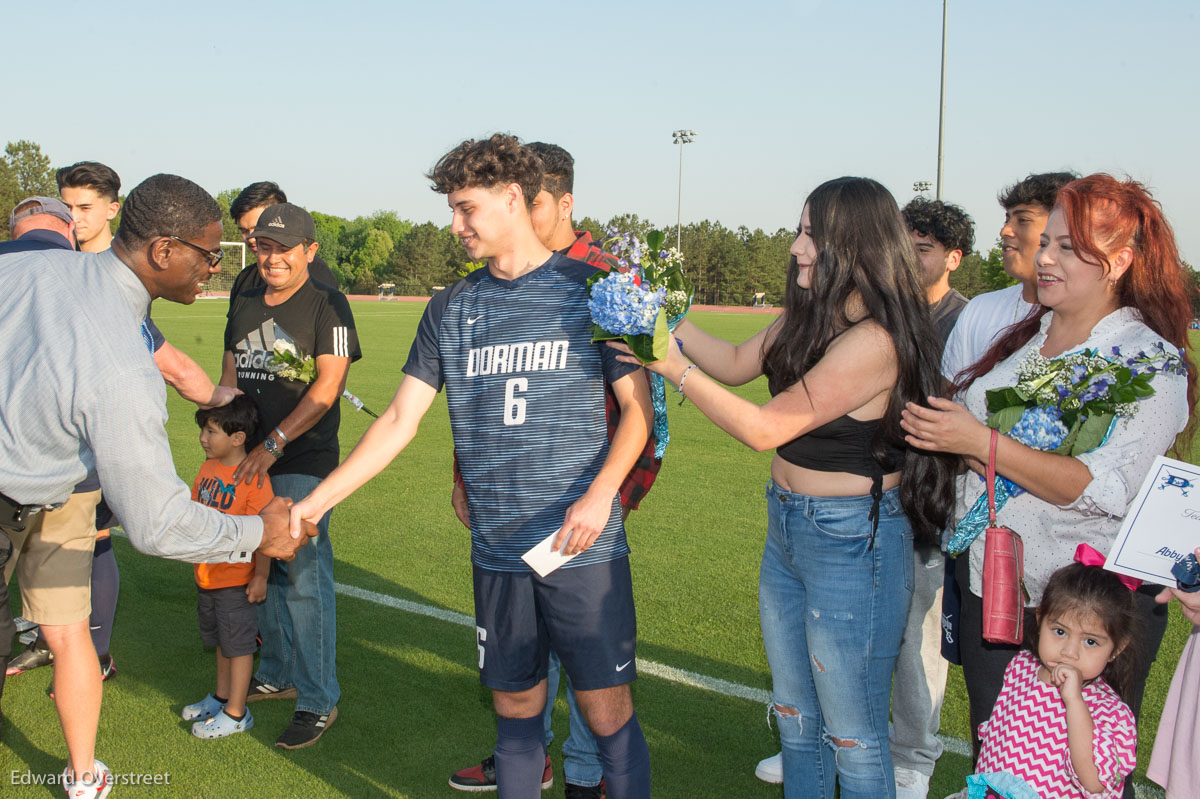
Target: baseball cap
32,206
285,223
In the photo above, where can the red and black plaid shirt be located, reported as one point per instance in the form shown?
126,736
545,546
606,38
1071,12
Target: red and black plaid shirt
637,483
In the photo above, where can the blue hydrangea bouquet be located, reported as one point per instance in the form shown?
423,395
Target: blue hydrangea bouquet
640,302
1067,405
644,298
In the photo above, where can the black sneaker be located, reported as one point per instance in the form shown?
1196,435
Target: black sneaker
32,658
261,690
306,729
585,791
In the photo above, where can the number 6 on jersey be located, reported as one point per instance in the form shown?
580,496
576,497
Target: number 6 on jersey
514,406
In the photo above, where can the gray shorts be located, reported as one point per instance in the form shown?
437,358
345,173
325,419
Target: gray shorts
228,620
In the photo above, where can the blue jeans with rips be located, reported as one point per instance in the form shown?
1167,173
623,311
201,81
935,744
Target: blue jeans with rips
833,599
581,754
297,621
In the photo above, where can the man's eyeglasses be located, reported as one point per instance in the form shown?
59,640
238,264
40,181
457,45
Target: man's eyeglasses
214,256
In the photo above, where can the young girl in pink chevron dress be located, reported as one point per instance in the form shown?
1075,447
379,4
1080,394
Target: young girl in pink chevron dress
1059,723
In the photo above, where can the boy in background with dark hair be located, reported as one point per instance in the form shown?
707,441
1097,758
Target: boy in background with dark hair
943,235
228,591
1026,206
91,190
528,307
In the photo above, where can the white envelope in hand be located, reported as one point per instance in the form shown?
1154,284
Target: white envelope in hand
544,558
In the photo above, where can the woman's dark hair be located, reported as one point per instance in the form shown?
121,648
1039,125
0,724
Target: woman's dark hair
1079,589
1103,215
863,247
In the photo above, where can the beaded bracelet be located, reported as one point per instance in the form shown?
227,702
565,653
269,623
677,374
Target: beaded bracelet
683,377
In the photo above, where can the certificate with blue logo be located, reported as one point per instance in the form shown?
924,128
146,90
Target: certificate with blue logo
1162,526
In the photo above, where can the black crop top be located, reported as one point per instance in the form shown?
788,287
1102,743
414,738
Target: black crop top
843,445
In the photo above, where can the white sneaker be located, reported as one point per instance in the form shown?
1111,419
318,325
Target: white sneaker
97,787
770,769
910,784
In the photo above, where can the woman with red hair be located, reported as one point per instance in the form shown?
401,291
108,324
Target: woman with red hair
1109,279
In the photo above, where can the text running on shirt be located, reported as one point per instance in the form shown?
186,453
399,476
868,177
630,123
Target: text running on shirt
524,356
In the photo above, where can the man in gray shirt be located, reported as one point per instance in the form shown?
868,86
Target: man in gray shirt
82,395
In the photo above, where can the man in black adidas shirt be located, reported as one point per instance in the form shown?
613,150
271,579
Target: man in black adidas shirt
309,324
245,209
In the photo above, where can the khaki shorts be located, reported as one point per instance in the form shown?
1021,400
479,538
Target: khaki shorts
53,561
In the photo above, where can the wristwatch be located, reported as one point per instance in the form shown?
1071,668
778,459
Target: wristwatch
270,446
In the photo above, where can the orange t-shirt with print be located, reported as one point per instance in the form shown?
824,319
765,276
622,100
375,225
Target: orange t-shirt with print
214,487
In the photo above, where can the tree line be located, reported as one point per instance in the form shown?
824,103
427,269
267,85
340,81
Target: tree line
728,267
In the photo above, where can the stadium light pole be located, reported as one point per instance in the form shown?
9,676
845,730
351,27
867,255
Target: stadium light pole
682,137
920,186
942,103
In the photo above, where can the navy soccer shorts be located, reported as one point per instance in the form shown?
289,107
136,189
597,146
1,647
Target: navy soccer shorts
585,613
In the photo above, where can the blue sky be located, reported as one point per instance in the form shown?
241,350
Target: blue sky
347,104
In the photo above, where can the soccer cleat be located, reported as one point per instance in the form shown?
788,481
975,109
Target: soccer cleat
770,769
585,791
306,729
97,787
32,658
483,777
261,690
206,708
222,725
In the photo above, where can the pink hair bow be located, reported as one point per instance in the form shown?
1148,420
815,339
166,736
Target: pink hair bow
1089,556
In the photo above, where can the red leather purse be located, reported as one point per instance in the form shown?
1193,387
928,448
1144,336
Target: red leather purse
1003,572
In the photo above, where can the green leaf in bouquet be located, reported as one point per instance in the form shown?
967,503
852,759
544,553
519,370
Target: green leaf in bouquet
600,334
655,239
1000,398
1004,419
662,337
1122,394
1141,390
1124,374
1072,431
642,346
1091,433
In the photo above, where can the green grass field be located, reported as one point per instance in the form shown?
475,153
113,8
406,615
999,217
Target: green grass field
412,710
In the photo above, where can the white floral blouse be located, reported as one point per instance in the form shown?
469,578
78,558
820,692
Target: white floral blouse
1050,532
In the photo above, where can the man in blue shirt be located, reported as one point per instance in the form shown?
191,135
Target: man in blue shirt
511,342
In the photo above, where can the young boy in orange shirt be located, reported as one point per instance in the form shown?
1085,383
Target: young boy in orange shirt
228,619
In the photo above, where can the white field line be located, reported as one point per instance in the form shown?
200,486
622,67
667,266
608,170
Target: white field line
681,676
649,667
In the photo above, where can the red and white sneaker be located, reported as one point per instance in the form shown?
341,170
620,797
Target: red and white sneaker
483,777
88,786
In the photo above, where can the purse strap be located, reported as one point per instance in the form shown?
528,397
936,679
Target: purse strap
991,479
